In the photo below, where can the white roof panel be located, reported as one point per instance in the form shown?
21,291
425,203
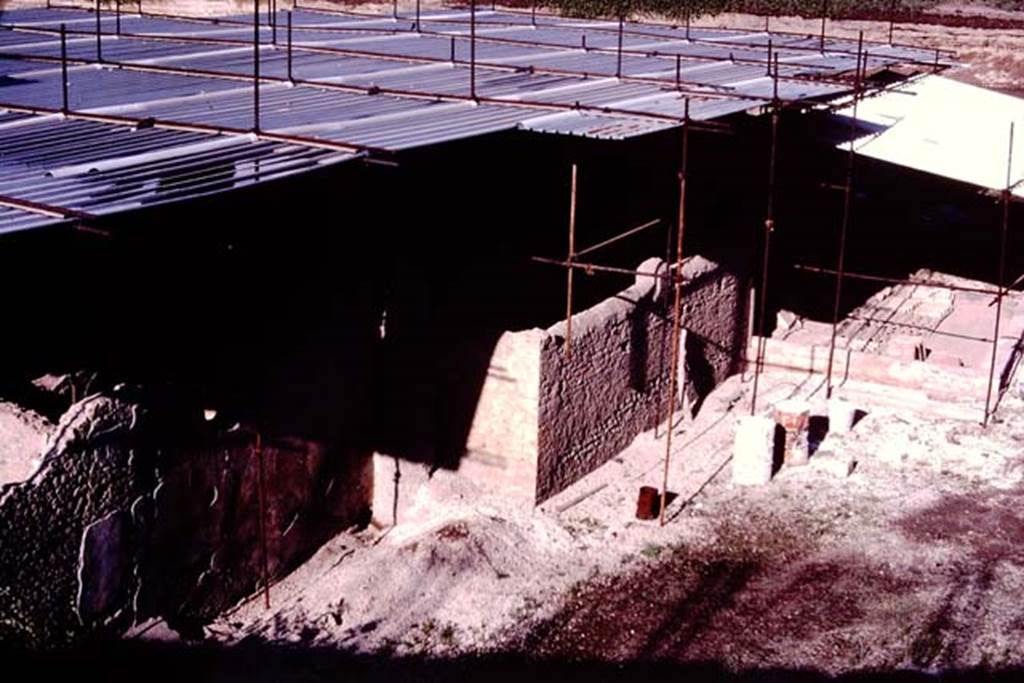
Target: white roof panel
947,128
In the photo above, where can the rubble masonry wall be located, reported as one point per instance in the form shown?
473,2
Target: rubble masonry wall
125,520
613,386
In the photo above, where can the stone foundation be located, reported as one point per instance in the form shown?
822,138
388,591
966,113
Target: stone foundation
915,337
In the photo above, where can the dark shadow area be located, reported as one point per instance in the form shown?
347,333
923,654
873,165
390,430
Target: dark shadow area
256,662
901,221
638,351
242,301
817,430
268,303
670,496
778,449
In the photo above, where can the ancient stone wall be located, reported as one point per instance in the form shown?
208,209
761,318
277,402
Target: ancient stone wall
613,385
135,514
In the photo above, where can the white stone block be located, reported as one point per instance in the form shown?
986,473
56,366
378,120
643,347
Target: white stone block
753,451
841,415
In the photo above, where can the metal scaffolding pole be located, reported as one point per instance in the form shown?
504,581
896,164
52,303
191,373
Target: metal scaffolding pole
847,210
472,49
618,52
867,277
99,33
273,21
824,20
64,69
1001,279
591,268
892,19
769,228
569,263
673,389
261,478
256,65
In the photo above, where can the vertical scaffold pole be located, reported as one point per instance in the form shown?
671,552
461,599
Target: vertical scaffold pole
892,20
570,261
824,20
256,66
847,210
769,229
673,388
261,478
64,69
1001,278
618,52
99,33
472,49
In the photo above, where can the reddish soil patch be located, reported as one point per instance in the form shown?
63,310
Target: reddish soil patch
990,525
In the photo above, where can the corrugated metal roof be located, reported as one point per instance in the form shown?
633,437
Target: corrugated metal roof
361,83
99,168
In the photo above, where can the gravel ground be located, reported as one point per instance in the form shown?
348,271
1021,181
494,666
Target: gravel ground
912,566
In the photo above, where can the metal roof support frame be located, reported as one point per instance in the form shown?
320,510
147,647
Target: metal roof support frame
845,226
289,57
99,34
472,49
256,66
273,21
892,19
677,323
824,20
64,70
570,259
769,229
1001,270
618,52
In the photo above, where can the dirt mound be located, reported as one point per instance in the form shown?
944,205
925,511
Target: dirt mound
444,588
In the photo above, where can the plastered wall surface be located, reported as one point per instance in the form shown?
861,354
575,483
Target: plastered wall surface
502,443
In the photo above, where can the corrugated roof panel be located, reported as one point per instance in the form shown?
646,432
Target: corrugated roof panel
61,163
405,91
591,124
94,86
426,128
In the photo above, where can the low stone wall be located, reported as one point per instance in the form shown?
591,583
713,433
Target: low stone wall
614,384
937,382
611,387
135,514
545,419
